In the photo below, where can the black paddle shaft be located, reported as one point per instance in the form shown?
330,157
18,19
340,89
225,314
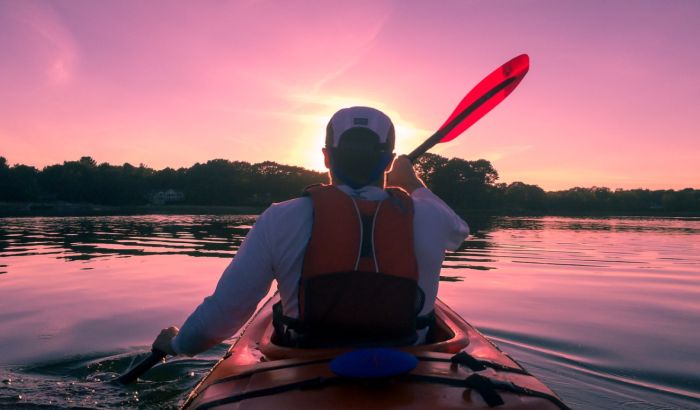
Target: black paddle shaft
154,358
440,134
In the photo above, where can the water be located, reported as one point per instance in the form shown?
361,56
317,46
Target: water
604,311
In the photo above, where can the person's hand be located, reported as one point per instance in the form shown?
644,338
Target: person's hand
163,340
403,175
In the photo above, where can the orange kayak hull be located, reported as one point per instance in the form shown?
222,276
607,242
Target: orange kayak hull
458,369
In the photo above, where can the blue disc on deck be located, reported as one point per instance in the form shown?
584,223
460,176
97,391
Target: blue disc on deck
373,363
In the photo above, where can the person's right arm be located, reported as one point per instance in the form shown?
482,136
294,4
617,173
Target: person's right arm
403,175
453,228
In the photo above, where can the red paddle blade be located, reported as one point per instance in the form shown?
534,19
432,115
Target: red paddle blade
492,90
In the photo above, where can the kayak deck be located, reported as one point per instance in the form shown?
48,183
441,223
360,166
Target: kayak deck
457,369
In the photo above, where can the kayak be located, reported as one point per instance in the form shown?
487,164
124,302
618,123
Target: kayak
458,368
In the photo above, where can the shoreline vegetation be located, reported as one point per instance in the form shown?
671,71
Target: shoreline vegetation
68,209
59,208
84,188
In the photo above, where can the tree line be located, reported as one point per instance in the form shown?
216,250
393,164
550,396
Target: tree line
216,182
474,185
463,184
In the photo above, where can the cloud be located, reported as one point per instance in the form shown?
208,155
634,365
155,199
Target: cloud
507,151
45,36
366,43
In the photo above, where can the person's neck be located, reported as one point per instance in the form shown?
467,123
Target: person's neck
333,180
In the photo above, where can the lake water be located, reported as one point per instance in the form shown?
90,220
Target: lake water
604,311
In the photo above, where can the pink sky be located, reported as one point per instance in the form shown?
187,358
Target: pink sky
612,97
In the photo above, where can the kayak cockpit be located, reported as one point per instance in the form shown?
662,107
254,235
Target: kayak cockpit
445,335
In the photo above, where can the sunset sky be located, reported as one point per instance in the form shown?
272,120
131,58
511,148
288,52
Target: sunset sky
612,97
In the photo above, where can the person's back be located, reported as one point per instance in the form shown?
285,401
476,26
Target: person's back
354,263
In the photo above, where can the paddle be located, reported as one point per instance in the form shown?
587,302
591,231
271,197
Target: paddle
154,358
481,99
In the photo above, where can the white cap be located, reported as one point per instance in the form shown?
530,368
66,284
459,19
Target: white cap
362,117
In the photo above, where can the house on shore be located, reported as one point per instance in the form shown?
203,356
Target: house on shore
168,196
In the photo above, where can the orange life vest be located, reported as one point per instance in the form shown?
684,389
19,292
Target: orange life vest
359,281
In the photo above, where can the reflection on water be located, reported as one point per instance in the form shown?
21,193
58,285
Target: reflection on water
603,310
94,237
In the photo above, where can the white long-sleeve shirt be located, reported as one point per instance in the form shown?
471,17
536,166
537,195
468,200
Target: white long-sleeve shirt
274,249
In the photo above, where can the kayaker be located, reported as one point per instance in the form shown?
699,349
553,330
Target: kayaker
354,262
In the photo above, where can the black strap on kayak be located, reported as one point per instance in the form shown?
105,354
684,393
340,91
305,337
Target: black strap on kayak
486,389
303,384
486,386
468,360
474,364
249,373
477,365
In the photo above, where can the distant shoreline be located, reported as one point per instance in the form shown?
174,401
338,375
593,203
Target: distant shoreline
67,209
34,209
84,187
574,214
